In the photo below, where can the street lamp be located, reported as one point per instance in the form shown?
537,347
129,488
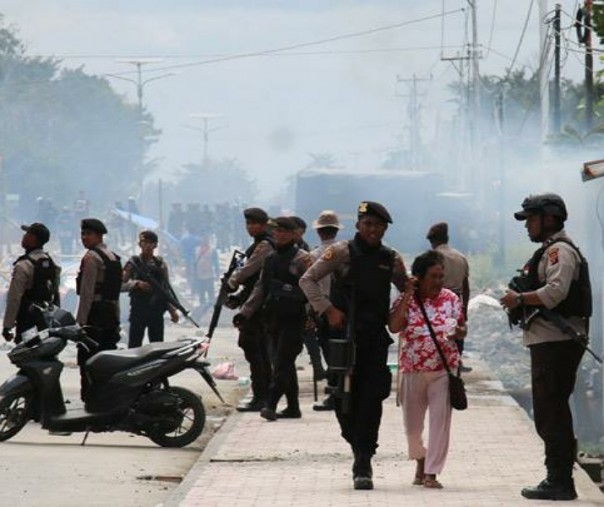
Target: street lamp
140,84
206,129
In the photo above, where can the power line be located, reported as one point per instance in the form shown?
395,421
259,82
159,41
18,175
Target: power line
526,21
318,42
213,55
492,28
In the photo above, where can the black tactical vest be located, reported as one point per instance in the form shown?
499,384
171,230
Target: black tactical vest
109,289
369,279
44,289
140,271
283,296
578,302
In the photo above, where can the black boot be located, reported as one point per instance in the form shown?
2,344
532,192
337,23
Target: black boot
328,403
291,412
550,489
254,405
361,471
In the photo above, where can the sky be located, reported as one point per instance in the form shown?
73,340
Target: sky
270,111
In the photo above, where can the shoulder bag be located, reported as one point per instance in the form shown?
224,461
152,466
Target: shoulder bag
457,389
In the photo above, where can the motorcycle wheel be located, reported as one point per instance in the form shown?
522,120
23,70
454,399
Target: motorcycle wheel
14,414
192,421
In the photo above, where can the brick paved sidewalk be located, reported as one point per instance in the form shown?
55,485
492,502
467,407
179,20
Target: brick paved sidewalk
494,452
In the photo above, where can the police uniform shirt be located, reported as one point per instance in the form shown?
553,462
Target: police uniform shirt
558,267
298,265
316,254
456,268
336,259
252,265
92,272
22,280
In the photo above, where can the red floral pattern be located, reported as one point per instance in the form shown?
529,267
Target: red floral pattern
418,352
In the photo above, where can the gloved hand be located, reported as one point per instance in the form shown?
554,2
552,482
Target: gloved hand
239,320
7,334
232,302
227,287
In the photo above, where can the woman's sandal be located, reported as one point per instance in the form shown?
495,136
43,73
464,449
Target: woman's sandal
432,483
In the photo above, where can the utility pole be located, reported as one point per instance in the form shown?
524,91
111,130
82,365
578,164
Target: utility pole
544,70
140,83
475,56
415,123
206,130
589,68
556,90
470,104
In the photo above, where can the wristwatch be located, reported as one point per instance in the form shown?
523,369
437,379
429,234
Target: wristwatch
520,299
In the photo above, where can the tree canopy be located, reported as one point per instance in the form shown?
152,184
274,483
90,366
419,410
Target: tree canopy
63,130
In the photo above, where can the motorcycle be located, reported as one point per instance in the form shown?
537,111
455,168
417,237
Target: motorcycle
129,389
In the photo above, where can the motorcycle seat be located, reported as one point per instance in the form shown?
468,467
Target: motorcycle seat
111,361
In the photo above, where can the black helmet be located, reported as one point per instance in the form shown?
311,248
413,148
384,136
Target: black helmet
547,204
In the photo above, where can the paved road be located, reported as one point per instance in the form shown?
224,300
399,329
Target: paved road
115,469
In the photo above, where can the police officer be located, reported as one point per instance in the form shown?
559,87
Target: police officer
558,281
252,337
98,285
364,269
147,302
457,271
278,292
35,279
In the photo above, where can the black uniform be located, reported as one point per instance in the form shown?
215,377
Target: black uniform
252,335
98,284
283,301
147,308
363,277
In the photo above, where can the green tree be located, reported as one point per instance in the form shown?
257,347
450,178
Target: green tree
214,182
63,130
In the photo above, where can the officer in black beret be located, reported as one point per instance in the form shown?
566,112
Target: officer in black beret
255,215
300,231
35,279
98,285
278,293
252,338
365,269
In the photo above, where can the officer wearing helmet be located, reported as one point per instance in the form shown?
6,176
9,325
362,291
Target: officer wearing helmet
559,282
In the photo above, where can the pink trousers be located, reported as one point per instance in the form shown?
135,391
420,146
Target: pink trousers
420,392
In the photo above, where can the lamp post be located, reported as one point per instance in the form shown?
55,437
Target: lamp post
140,84
206,130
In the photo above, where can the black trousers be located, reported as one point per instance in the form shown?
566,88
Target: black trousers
371,383
105,330
253,341
145,318
554,371
285,339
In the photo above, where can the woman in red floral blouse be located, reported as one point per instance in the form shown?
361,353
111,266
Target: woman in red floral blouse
424,381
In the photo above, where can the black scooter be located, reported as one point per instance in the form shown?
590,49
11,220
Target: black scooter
129,389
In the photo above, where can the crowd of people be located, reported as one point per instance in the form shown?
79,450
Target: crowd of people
336,299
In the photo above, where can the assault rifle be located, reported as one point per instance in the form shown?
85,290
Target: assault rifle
236,261
164,289
524,315
342,352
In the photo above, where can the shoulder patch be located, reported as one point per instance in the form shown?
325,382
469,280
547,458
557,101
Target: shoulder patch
328,254
308,261
552,255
